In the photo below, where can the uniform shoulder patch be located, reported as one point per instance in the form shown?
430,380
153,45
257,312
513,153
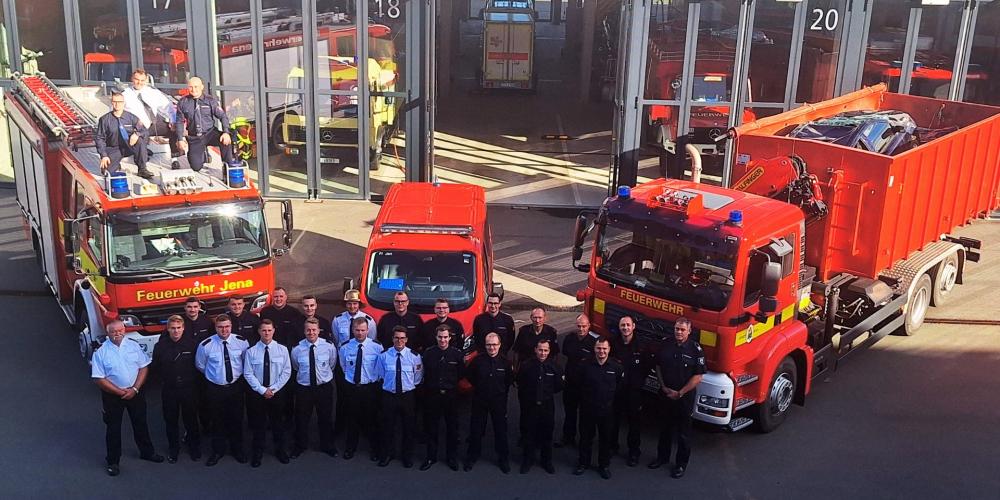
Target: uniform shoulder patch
240,337
206,341
369,318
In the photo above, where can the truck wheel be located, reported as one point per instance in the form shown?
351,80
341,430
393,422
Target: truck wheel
276,138
375,153
84,339
771,413
916,306
944,280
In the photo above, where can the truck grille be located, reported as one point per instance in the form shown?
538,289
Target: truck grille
296,134
338,135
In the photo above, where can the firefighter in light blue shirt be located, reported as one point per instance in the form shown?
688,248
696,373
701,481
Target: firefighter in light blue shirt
267,369
313,360
119,368
401,371
341,330
358,358
220,358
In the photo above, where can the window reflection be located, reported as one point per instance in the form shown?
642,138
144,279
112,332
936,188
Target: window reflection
770,46
665,54
40,25
820,50
234,44
886,41
164,41
283,49
982,83
935,59
105,35
336,46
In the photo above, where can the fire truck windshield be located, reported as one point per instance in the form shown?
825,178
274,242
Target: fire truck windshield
667,264
710,88
190,237
424,276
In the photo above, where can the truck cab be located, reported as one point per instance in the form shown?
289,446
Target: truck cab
431,241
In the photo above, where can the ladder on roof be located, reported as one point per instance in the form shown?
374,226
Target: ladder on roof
62,116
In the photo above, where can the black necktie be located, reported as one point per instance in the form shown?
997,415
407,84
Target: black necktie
312,365
229,364
267,368
357,364
399,372
541,380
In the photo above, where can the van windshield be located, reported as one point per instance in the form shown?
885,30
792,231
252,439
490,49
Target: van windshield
424,276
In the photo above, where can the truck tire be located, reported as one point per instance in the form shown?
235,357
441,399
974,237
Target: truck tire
275,138
945,277
780,394
85,340
375,153
916,306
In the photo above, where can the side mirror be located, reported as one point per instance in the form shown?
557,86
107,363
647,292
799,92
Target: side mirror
287,221
579,231
498,289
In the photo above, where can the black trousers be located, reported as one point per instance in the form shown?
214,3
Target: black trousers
603,425
113,408
318,398
340,406
676,422
539,423
628,413
139,154
437,405
262,413
496,410
181,402
161,128
362,416
225,404
204,412
198,145
571,407
400,408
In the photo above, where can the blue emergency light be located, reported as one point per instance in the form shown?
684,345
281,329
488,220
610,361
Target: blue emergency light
236,176
624,192
736,217
118,185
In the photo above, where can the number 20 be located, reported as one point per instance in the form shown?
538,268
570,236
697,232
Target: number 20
824,20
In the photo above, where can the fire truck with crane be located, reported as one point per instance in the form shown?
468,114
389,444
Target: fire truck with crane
114,246
818,249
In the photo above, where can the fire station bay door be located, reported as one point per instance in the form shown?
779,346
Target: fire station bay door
344,115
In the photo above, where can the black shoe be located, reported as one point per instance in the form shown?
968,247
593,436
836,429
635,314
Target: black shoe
504,466
172,458
632,461
525,467
428,464
604,472
468,466
373,457
255,461
453,464
212,459
155,458
282,457
332,452
407,464
657,463
240,457
549,467
678,472
296,453
113,470
348,454
145,174
580,469
384,462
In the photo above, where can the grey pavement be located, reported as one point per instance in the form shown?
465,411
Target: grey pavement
910,418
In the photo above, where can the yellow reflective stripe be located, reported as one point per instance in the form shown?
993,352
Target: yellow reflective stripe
90,269
760,329
708,339
804,302
599,306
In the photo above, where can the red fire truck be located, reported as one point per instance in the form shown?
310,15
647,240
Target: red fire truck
431,241
817,250
119,247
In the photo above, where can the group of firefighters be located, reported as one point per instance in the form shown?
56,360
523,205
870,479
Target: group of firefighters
140,112
286,364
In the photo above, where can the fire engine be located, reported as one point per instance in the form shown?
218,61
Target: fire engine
114,246
817,249
431,241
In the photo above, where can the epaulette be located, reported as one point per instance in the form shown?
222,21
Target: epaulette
206,341
240,337
132,339
369,318
596,336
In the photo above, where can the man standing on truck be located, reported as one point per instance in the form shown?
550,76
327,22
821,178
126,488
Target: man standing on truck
121,134
428,332
401,315
601,380
578,347
153,108
637,362
490,375
195,125
494,321
220,358
680,366
173,363
119,369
